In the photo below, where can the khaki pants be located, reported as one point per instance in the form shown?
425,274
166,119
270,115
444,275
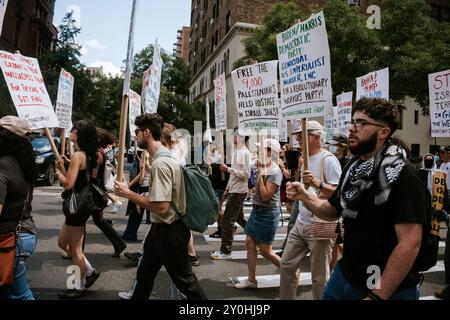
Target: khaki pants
299,244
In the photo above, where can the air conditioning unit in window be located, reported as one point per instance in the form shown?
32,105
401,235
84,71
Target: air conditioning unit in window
196,25
212,21
201,40
353,2
202,12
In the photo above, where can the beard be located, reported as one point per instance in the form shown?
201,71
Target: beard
366,146
143,144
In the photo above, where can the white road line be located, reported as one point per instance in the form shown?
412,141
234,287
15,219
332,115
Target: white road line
273,281
429,298
241,238
438,267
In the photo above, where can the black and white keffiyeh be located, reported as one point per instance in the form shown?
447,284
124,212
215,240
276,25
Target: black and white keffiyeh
386,166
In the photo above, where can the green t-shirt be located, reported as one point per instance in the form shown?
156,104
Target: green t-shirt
167,185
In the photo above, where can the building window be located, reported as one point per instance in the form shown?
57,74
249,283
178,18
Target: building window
416,117
415,151
226,61
213,75
205,27
228,23
202,85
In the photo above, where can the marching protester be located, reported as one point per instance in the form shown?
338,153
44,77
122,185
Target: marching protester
72,234
322,178
17,174
265,216
105,139
384,206
235,194
429,175
167,242
338,145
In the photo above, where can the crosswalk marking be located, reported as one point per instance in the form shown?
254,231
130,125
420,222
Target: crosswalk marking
242,255
429,298
273,281
242,237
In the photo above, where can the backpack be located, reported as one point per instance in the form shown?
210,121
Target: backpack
202,206
252,179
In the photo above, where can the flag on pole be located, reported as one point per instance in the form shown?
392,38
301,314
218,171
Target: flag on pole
130,53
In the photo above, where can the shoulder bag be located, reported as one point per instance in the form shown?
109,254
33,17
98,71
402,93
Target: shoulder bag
8,249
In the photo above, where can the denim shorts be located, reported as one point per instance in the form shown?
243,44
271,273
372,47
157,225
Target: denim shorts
262,224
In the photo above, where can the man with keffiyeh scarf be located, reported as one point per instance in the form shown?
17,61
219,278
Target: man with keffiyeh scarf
384,205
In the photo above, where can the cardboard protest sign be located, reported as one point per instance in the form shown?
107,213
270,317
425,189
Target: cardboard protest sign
220,99
64,101
439,86
331,123
345,106
153,89
305,69
134,111
256,92
373,85
28,92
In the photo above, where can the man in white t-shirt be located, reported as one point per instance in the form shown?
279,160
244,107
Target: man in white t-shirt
322,177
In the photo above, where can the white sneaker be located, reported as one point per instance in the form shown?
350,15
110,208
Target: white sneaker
246,285
219,255
126,295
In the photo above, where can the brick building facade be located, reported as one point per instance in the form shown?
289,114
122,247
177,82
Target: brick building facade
181,47
28,27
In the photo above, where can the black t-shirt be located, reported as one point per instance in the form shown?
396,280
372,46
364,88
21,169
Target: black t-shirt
370,238
216,178
13,191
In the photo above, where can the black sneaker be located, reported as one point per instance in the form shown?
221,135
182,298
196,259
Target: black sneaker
90,280
132,256
72,294
195,261
215,235
117,253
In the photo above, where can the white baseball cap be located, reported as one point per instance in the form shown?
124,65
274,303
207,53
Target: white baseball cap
270,143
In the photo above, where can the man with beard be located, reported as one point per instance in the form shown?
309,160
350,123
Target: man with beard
166,243
384,205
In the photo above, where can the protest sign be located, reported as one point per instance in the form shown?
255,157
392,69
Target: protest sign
373,85
220,99
134,111
64,101
345,106
439,86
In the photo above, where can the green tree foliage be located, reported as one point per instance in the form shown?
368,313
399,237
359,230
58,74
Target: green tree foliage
410,43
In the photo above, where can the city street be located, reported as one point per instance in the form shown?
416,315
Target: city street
47,269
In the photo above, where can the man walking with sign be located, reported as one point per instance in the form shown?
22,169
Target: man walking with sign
384,206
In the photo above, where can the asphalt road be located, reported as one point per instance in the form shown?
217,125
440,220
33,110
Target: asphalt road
47,271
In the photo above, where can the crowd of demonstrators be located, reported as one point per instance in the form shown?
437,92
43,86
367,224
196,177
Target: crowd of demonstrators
265,216
384,206
322,177
72,234
167,242
17,174
235,194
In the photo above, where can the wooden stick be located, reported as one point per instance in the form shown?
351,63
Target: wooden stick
122,137
63,142
54,149
222,153
305,144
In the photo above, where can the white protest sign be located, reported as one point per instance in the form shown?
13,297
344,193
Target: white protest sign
256,92
3,4
345,106
220,99
208,135
331,123
283,127
305,69
154,86
145,84
373,85
28,92
439,85
134,111
64,101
